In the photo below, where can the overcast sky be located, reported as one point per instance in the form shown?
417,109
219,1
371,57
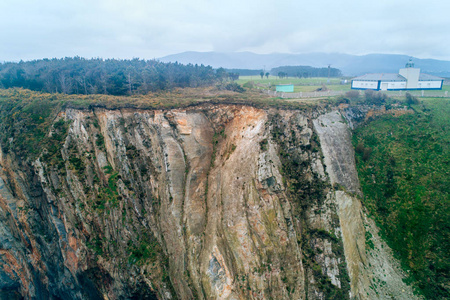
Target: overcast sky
33,29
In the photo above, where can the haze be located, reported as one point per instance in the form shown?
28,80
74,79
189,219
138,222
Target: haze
151,29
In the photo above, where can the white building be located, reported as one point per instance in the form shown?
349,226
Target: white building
409,78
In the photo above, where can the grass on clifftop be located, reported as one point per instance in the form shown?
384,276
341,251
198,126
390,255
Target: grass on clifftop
403,165
26,116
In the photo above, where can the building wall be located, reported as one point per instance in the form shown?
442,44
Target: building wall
367,85
396,85
429,85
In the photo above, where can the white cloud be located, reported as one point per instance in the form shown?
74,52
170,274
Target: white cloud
150,28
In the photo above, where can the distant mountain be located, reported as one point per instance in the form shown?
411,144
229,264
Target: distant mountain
350,65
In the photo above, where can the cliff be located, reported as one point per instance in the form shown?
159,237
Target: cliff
206,202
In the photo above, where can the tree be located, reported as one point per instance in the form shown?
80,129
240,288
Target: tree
262,75
221,74
306,71
98,76
233,76
64,82
282,74
267,75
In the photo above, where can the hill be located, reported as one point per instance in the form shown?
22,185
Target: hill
350,65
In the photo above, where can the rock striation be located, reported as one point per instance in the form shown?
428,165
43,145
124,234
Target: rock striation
205,202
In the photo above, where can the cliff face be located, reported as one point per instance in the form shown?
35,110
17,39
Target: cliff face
208,202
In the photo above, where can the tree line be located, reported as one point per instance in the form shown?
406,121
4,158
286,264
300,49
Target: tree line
106,76
305,71
244,72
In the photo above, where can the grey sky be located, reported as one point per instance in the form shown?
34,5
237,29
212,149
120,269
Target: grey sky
33,29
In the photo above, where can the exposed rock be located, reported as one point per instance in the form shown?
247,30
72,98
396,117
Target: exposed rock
208,202
374,273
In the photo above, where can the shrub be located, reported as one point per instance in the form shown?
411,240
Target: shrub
352,95
323,88
249,84
410,99
263,145
100,142
375,98
234,87
360,148
341,99
366,154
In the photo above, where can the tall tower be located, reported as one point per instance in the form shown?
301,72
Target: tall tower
411,74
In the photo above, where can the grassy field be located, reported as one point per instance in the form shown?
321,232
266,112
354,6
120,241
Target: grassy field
312,84
403,165
300,84
446,88
296,81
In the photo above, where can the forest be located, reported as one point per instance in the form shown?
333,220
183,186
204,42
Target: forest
105,76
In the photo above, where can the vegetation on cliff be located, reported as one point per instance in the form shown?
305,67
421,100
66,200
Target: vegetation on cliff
26,116
403,165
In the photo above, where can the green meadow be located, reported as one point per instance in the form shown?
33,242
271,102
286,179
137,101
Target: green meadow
315,83
300,84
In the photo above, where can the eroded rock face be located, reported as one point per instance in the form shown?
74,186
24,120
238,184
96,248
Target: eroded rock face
374,273
209,202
